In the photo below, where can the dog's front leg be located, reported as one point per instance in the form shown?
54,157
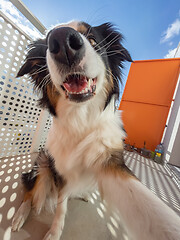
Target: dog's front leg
58,222
145,216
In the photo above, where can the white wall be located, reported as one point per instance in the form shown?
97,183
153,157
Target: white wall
171,138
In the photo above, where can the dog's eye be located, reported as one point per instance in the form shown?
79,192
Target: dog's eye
92,41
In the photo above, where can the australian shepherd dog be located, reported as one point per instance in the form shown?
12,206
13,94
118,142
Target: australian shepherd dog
77,69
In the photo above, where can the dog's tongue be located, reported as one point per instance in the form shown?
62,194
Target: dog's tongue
75,83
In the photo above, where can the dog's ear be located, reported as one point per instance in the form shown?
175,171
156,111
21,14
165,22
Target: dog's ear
36,67
36,57
25,68
35,63
115,53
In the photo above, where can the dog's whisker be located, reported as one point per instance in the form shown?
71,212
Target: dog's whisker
111,41
46,83
46,80
104,39
39,71
107,45
116,53
113,51
45,77
88,32
41,68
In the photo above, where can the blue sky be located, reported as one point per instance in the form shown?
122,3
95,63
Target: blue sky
142,22
151,27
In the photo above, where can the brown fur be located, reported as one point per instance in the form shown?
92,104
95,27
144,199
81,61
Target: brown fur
82,28
110,83
116,166
53,95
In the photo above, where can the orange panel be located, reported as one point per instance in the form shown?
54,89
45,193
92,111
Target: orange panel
147,98
142,123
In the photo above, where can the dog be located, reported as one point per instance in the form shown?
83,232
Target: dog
77,70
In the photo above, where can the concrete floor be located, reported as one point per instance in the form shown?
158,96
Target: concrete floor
84,221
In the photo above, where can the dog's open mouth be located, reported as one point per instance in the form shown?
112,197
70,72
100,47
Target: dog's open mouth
79,88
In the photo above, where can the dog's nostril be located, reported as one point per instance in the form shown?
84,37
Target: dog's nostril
75,41
54,46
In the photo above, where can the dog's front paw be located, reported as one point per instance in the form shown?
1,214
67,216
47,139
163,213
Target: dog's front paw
17,222
52,235
21,216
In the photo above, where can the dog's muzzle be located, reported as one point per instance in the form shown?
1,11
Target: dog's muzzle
67,49
66,46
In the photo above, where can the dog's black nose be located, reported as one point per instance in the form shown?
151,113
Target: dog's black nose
66,46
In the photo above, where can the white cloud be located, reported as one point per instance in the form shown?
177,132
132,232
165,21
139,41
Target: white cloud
172,30
171,53
8,7
15,16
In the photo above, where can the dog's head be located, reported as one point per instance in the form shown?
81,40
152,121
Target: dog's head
76,62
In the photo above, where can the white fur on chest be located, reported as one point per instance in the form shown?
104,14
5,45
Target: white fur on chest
81,137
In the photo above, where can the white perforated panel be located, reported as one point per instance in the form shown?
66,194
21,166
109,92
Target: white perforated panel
46,129
19,113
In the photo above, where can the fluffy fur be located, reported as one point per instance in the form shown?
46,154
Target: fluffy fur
77,69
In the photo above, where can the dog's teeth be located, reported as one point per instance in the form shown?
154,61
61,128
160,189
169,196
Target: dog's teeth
89,82
86,90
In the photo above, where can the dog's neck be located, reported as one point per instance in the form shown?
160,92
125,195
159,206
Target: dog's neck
79,117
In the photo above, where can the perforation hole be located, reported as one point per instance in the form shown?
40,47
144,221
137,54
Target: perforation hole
17,59
20,48
1,19
9,25
4,44
2,202
10,213
15,184
11,49
13,197
7,32
9,170
15,37
13,43
10,54
5,189
2,50
6,38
